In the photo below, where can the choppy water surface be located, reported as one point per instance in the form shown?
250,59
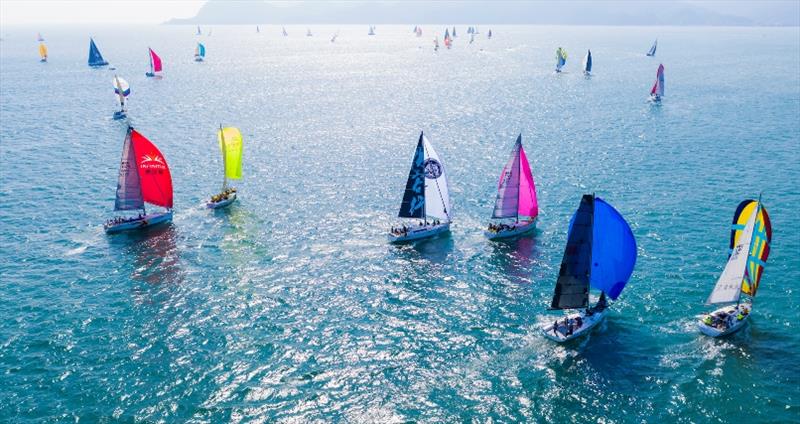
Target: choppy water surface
291,306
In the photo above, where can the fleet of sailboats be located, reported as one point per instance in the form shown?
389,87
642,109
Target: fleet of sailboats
750,241
657,92
426,197
155,64
600,254
231,146
144,177
95,58
122,90
516,197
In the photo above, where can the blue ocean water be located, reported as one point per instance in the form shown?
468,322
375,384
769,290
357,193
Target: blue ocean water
291,306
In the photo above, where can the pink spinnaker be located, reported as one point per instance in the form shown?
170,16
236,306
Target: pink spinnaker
155,60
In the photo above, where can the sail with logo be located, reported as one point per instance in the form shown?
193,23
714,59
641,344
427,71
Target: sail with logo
600,254
750,240
516,197
144,178
426,197
231,146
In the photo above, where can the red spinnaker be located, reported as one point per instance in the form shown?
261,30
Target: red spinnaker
153,171
156,61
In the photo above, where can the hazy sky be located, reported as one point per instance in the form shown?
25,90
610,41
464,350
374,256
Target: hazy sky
22,12
13,12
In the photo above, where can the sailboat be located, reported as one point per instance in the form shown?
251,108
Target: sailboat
652,51
155,63
258,30
657,92
516,197
144,177
419,31
489,34
600,254
284,31
95,58
199,52
308,33
454,32
426,197
371,30
231,145
436,44
198,30
39,37
122,90
561,59
751,238
333,39
587,63
42,52
448,42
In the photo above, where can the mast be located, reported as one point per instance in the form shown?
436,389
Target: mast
224,159
150,51
519,176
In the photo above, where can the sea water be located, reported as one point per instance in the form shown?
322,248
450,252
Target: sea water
291,306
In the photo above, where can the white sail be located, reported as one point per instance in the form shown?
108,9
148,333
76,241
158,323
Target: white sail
729,285
437,196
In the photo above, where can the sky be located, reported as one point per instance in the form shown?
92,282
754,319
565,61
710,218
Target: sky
21,12
677,12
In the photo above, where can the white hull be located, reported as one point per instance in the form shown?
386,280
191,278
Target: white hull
419,232
149,220
517,228
561,336
222,203
726,321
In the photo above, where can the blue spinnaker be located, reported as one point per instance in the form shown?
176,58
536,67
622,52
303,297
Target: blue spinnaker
613,250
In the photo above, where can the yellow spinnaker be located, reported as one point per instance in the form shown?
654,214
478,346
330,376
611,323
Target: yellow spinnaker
232,153
42,50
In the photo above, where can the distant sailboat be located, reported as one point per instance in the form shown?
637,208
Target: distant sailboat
448,42
426,197
144,177
371,30
516,197
122,90
284,31
308,33
600,254
750,242
155,63
231,145
39,37
587,63
419,31
258,30
198,30
42,52
199,52
652,51
454,32
489,34
95,58
657,92
561,59
333,39
436,44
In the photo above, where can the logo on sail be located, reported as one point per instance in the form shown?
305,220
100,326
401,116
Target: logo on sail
152,161
433,169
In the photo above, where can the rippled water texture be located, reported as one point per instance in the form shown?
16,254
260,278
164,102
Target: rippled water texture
292,307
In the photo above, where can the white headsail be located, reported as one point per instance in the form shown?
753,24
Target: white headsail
729,285
437,196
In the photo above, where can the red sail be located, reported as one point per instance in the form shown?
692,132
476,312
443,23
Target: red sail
156,61
153,171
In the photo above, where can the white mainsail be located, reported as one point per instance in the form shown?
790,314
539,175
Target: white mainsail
729,285
437,196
